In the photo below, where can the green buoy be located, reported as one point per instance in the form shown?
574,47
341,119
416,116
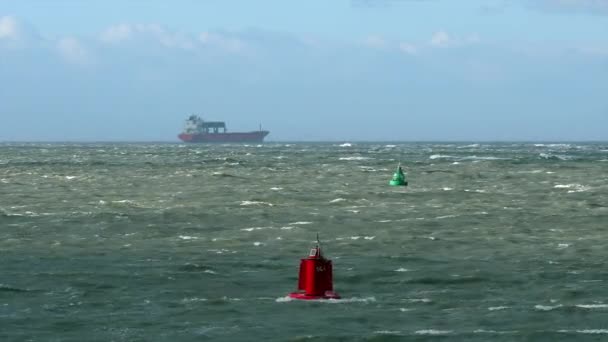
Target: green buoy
398,177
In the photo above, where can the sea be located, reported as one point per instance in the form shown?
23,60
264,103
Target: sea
177,242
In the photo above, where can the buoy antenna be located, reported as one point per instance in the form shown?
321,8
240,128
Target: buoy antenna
318,243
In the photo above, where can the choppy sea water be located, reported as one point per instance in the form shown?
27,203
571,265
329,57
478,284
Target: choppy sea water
172,242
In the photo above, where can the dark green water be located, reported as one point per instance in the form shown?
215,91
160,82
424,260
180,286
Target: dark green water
168,242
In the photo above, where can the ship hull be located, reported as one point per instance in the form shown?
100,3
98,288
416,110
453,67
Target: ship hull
237,137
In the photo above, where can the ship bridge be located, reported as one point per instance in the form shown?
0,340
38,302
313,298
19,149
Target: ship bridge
213,126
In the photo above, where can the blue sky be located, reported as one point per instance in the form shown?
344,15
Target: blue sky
307,70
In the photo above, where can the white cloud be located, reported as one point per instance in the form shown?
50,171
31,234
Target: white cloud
9,28
124,32
440,39
594,50
472,39
223,41
408,48
443,39
374,41
595,6
73,51
116,33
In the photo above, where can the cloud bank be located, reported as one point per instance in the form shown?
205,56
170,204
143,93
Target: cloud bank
589,6
134,81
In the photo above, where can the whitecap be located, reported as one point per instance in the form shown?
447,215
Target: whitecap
483,331
332,300
194,299
496,308
209,271
447,189
354,158
186,237
479,191
387,332
250,229
276,188
440,156
566,186
301,222
417,300
554,156
346,145
337,200
592,306
349,300
256,203
547,307
401,269
433,332
593,331
284,299
257,243
484,158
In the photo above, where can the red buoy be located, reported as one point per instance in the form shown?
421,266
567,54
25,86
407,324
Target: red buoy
316,277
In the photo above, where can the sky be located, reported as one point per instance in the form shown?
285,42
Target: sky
314,70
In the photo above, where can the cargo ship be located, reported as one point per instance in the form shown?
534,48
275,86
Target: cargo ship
196,130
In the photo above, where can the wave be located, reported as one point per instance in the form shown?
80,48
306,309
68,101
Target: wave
355,158
247,203
330,301
452,280
573,187
223,174
7,288
547,307
475,158
497,308
586,331
592,306
433,332
548,156
250,229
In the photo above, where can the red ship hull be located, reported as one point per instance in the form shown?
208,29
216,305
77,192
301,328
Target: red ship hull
237,137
